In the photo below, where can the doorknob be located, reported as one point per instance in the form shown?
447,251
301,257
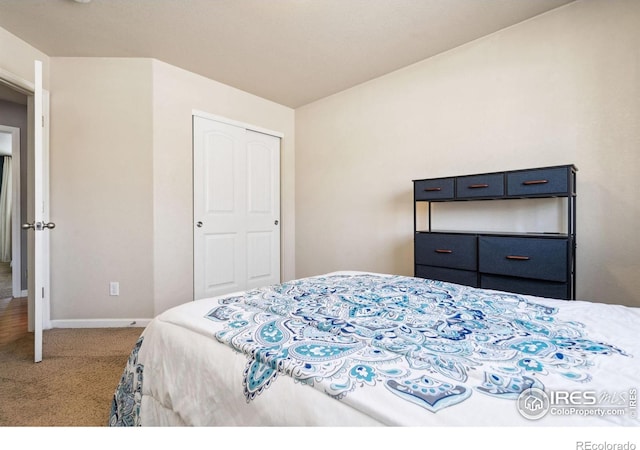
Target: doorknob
38,225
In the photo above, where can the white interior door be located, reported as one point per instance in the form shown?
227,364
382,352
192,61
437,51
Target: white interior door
236,179
40,224
37,200
263,209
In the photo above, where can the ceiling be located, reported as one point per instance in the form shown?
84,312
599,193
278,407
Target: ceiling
289,51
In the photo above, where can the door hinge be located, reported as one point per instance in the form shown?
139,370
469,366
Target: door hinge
42,291
42,121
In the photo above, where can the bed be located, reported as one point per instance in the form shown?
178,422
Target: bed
369,349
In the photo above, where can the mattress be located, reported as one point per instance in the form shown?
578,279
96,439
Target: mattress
369,349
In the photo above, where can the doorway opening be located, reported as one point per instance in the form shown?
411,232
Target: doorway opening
12,249
14,137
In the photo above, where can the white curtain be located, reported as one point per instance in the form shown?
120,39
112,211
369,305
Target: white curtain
5,211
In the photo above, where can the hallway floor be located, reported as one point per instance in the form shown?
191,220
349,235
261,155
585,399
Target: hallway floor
6,290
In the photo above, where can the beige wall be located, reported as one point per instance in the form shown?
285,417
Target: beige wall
176,93
121,182
561,88
121,178
101,188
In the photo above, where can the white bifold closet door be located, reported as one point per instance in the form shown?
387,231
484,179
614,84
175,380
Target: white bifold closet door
236,180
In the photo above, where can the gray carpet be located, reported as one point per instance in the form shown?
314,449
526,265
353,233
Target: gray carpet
74,383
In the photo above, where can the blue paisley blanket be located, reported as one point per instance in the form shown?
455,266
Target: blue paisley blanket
352,348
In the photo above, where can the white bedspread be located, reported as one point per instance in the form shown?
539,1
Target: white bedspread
353,348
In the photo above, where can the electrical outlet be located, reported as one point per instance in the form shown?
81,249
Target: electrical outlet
114,288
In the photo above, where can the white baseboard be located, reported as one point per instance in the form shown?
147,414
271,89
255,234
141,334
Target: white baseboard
100,323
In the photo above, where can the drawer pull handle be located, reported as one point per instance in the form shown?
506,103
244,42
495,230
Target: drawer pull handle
530,182
478,186
442,250
518,258
433,189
